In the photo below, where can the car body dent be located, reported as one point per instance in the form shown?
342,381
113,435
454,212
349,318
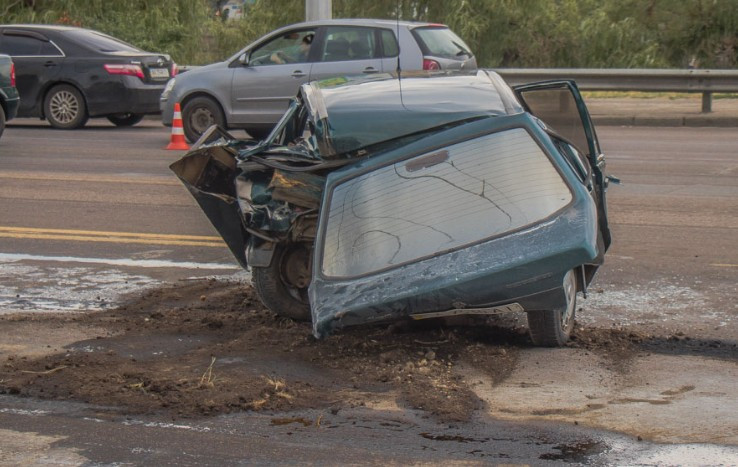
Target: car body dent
518,264
526,266
394,109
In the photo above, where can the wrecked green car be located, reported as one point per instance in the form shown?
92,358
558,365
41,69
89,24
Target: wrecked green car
421,196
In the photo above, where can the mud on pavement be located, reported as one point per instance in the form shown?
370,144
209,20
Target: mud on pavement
205,347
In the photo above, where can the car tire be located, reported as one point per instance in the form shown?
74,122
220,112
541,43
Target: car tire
127,119
65,108
198,115
2,120
276,290
552,328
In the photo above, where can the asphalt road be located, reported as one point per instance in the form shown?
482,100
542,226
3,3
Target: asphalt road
87,216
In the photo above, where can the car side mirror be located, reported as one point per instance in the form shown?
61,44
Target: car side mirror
244,59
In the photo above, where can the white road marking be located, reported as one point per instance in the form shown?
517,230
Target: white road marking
139,263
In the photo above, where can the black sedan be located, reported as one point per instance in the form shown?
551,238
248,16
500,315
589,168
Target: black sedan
67,75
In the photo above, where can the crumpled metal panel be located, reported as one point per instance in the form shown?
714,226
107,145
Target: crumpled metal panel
473,232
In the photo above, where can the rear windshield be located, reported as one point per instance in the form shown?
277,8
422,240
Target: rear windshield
441,42
450,198
101,42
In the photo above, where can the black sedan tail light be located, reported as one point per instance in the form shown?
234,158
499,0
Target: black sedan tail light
124,69
12,74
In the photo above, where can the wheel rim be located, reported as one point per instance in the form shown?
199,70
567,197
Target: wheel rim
570,291
201,119
64,107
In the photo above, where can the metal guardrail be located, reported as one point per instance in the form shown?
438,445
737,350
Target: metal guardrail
655,80
625,79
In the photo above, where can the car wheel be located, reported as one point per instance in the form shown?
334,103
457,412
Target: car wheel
127,119
198,115
2,120
64,107
552,328
282,286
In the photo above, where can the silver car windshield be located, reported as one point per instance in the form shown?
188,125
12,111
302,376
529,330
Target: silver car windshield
440,201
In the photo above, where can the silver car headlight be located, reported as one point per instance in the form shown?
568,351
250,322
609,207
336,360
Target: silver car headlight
167,89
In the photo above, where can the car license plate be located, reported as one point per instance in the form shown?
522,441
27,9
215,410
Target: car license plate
159,73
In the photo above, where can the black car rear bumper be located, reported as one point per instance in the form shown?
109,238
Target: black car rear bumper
127,95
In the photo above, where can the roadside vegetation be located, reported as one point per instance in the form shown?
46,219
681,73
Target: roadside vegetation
503,33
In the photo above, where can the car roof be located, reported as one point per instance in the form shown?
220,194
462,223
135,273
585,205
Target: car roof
362,112
366,22
43,27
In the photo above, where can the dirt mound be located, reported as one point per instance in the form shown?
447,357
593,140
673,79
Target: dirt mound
206,347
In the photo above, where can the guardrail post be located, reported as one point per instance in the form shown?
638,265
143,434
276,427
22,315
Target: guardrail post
706,102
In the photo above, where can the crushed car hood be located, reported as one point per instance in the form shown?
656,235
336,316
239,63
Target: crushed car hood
390,107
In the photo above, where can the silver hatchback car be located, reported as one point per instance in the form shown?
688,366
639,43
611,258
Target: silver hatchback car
252,89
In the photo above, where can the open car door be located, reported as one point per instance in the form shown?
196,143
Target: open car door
560,105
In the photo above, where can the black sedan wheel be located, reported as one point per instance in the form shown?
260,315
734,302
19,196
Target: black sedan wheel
198,115
282,287
128,119
64,107
552,328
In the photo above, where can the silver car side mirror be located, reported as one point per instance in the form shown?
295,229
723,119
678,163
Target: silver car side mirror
244,59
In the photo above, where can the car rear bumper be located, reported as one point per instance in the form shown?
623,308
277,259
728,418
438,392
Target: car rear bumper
128,95
525,267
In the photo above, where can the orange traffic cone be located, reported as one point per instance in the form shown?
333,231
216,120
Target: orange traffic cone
177,140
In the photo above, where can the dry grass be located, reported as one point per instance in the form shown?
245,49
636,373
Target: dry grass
207,380
653,95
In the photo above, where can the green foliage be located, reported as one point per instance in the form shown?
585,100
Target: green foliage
503,33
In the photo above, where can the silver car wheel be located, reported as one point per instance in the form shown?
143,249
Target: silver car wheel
201,119
64,106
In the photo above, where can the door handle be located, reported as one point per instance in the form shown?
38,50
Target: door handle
370,69
49,63
298,74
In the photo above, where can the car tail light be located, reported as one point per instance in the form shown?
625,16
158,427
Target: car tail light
124,69
12,74
174,70
429,64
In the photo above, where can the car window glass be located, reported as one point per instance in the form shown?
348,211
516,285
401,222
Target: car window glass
558,109
389,44
20,45
473,190
291,47
347,43
48,49
100,42
441,42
